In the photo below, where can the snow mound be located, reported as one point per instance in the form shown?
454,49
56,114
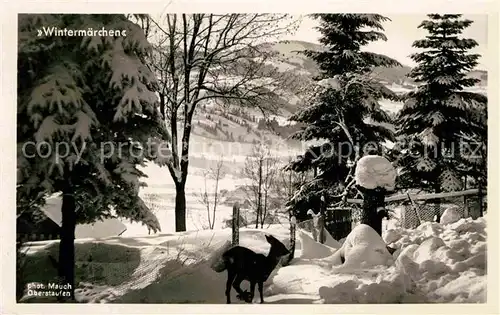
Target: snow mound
468,225
392,235
451,215
435,263
331,242
389,286
364,248
312,249
374,171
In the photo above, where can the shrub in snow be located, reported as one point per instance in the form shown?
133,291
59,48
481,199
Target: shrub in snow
374,171
318,226
451,215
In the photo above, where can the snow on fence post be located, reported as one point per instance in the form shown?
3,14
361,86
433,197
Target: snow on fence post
374,176
480,197
236,224
321,223
415,208
293,229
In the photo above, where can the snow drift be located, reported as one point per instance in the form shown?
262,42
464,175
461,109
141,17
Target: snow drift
435,263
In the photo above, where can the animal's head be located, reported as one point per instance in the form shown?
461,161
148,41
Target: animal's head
276,246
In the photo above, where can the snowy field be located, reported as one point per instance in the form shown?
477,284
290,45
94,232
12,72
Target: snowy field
434,263
161,185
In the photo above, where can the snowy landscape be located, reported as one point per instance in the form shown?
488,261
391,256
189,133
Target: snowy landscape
131,247
435,263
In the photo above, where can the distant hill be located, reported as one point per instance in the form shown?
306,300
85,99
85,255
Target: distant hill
290,52
246,125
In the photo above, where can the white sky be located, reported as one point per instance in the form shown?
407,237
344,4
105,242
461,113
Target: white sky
401,31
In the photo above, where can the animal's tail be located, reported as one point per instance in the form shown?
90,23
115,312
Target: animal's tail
219,265
217,262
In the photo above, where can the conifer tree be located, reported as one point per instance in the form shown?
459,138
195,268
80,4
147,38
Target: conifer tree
442,127
344,114
91,97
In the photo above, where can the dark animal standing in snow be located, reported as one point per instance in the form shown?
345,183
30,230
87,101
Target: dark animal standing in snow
244,264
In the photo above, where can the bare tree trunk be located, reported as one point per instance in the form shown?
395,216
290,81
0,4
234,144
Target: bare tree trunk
180,208
217,176
206,201
259,195
187,48
66,262
264,214
236,225
437,203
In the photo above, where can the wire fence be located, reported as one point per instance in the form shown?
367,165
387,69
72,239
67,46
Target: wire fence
412,214
337,222
409,211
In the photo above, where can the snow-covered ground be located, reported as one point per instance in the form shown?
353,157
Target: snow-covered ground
161,185
433,263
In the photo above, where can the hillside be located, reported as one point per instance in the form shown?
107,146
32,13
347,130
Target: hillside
238,125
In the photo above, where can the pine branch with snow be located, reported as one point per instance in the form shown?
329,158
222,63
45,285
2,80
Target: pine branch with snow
93,98
344,115
439,119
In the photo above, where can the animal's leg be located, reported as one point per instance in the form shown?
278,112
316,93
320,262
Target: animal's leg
252,291
230,280
261,289
236,285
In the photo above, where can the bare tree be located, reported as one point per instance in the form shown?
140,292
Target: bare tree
289,182
202,58
214,174
260,169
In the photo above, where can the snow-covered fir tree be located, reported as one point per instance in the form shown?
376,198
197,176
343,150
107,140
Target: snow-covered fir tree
93,98
442,128
344,115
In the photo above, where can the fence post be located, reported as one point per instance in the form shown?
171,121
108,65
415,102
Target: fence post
322,220
293,229
236,224
415,208
373,207
480,197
